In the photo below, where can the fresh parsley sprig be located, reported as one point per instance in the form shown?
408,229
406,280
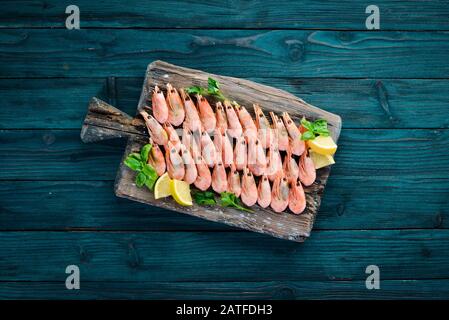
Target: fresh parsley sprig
146,174
314,129
227,199
213,89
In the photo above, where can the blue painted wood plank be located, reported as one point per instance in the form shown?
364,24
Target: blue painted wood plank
376,203
380,153
223,256
395,15
241,53
62,103
301,290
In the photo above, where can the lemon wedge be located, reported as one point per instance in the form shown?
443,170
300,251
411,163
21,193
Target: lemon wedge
180,191
162,187
323,145
321,160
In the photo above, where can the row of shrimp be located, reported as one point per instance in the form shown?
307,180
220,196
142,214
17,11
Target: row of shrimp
227,150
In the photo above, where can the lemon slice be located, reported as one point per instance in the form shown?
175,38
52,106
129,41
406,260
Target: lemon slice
162,187
323,145
321,160
180,191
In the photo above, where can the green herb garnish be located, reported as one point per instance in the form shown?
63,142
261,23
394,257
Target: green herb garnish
213,89
204,198
314,129
228,199
146,174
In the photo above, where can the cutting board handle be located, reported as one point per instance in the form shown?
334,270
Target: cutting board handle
104,122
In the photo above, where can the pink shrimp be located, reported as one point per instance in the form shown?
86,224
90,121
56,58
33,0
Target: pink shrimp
279,193
234,127
282,133
159,105
207,116
234,185
297,145
274,158
192,118
222,120
175,165
247,122
264,130
290,167
208,150
156,131
249,188
307,172
176,113
156,159
257,160
227,153
219,179
296,197
240,153
173,136
264,192
191,172
204,177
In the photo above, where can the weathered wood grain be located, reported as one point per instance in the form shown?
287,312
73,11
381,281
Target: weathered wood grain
369,153
373,204
223,256
307,14
278,290
45,103
240,53
263,220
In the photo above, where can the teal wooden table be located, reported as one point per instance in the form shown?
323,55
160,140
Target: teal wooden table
386,202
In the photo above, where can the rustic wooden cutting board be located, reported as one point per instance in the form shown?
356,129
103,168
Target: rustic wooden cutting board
105,122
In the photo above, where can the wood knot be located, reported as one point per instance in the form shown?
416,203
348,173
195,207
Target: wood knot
49,138
340,209
438,220
345,36
84,256
285,293
133,256
382,97
295,49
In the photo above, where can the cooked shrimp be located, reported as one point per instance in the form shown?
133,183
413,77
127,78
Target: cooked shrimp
159,105
264,130
191,172
222,119
274,158
207,115
156,159
249,188
173,136
282,133
279,193
257,160
208,150
307,172
247,122
204,177
175,164
296,197
240,153
192,119
290,166
264,192
234,127
176,111
298,146
227,153
234,185
219,179
156,131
